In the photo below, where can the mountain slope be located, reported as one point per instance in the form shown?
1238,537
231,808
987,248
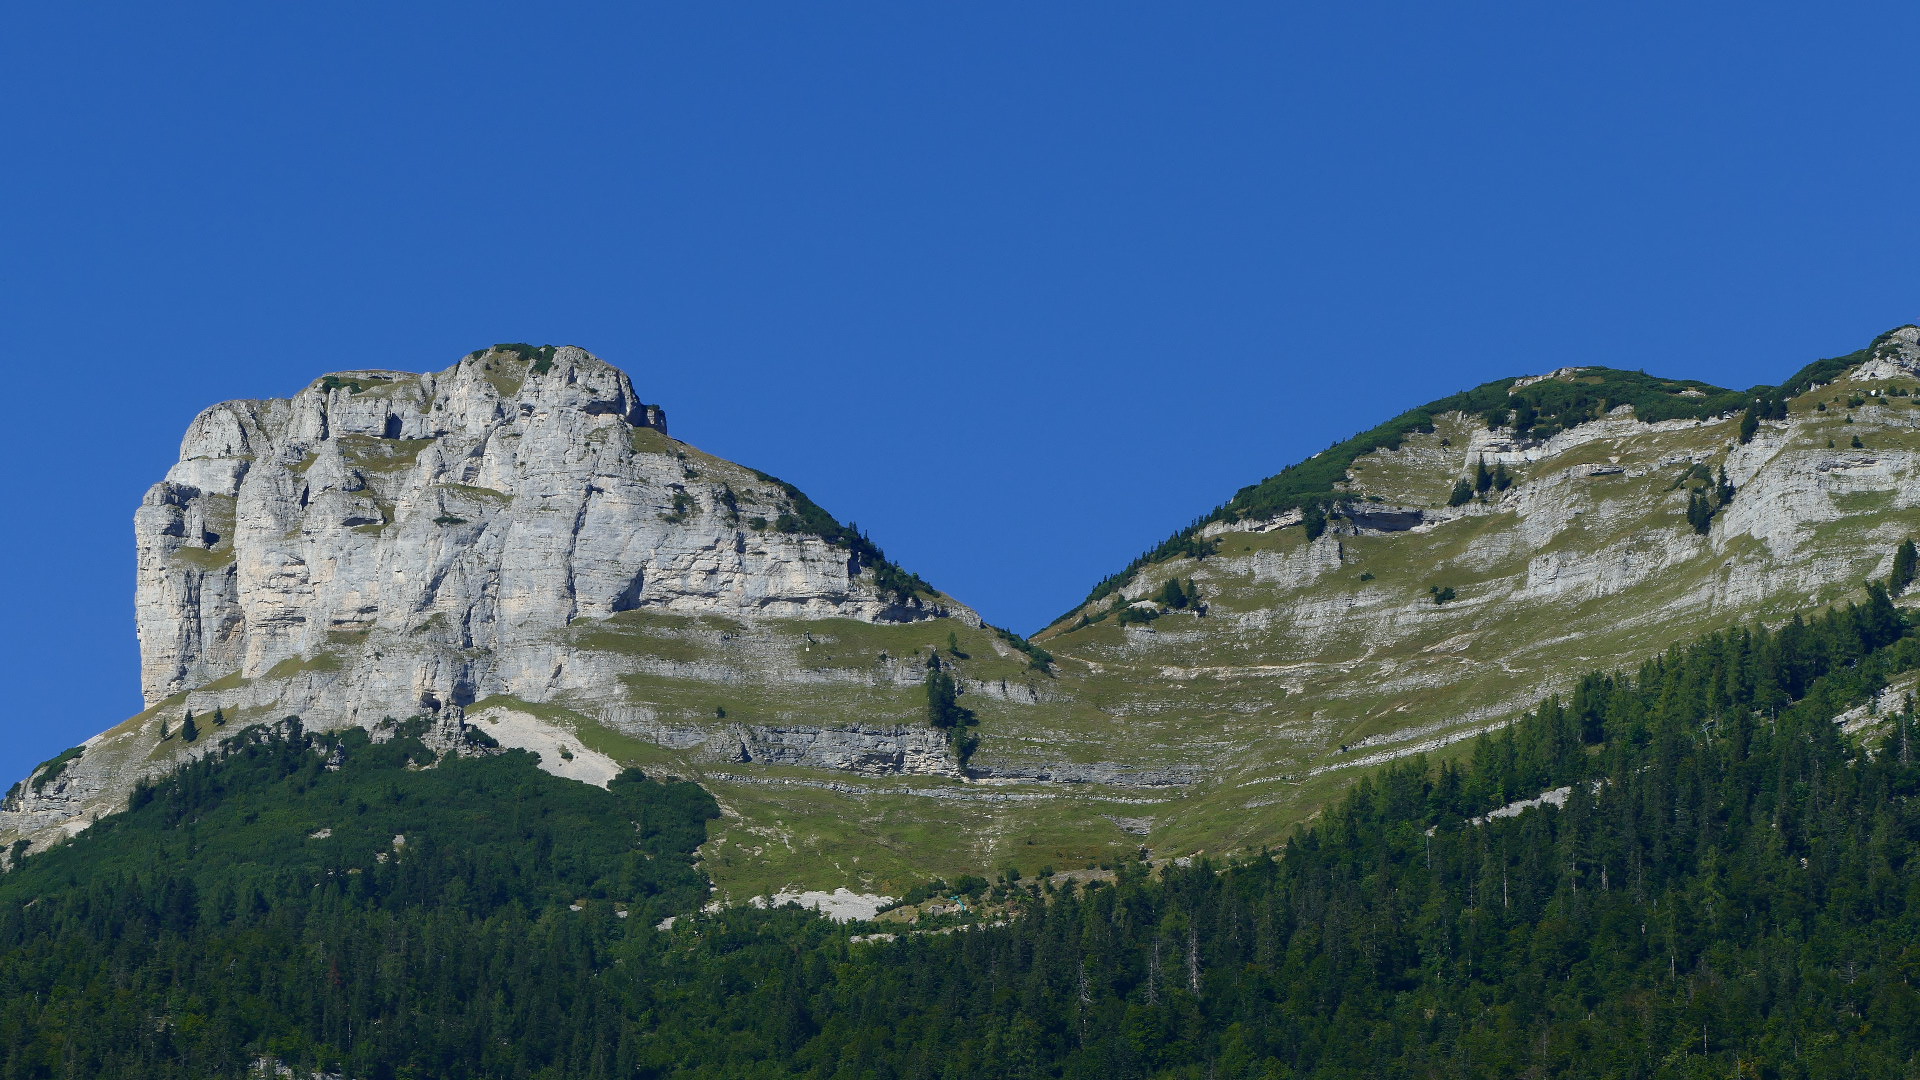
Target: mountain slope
1308,656
1703,869
516,545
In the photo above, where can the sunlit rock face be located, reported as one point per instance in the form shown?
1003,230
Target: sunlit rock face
385,543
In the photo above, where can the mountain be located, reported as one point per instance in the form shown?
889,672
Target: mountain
517,541
516,547
1700,869
1356,608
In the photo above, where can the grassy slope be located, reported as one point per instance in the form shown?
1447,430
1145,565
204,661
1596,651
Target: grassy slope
1261,693
797,826
1277,678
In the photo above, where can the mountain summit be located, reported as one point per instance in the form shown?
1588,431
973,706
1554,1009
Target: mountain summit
388,541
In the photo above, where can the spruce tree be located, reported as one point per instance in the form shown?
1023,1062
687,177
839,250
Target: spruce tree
188,729
1314,517
1482,479
1699,511
1462,493
1172,595
1904,560
945,713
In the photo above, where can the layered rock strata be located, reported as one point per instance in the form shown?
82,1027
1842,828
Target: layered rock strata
385,542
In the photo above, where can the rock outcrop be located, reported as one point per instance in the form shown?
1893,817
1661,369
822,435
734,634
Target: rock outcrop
389,544
385,542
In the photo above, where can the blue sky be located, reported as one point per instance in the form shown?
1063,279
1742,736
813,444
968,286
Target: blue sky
1020,288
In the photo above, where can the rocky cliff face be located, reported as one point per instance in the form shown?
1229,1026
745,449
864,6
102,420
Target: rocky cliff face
416,541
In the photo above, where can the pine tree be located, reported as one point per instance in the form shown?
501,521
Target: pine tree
1172,595
188,729
1462,493
944,711
1699,512
1750,423
1904,560
1482,479
1524,414
1502,480
1314,517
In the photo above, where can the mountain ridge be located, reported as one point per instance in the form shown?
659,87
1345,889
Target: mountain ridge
1317,478
1225,693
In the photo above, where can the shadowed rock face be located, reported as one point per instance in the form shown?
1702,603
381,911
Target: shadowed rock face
385,543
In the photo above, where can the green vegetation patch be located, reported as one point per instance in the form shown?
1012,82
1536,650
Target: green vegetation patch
372,454
217,557
296,665
477,492
878,838
353,384
539,359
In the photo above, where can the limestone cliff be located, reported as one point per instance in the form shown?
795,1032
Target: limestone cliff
416,541
388,544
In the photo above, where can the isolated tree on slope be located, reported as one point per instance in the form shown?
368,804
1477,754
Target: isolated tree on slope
1904,565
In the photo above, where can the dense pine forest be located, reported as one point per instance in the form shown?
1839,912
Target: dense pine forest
1721,884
